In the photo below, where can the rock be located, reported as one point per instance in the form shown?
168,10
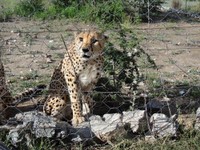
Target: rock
81,133
198,112
3,146
165,106
105,129
162,126
150,138
39,124
43,126
111,126
115,118
48,58
197,121
137,120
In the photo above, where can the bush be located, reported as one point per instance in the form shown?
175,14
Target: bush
27,8
69,12
50,13
107,12
121,67
103,11
194,8
5,14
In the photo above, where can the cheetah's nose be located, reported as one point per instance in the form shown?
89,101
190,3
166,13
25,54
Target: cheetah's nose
85,50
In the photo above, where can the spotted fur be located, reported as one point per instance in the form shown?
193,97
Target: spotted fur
74,78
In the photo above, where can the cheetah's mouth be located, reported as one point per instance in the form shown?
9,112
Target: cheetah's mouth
86,56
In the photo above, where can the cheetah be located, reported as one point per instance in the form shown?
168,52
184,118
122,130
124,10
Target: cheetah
74,78
6,98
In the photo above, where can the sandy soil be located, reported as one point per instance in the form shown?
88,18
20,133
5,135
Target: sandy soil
175,48
36,47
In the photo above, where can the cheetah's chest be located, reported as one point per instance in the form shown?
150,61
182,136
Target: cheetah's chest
88,75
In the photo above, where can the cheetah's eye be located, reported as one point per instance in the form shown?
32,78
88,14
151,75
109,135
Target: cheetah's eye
81,39
94,41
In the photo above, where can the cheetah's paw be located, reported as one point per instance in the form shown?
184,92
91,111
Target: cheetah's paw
77,120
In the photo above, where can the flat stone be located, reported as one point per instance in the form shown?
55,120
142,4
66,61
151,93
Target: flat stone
162,126
197,121
137,120
106,128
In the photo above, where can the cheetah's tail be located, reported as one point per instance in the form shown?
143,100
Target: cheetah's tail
28,94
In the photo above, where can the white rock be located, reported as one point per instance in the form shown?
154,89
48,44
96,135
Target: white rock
197,122
113,118
198,112
105,129
137,120
162,126
150,138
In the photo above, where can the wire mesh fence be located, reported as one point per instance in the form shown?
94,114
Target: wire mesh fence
152,66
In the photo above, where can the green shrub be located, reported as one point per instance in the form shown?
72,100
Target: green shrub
27,8
5,14
110,12
121,67
121,59
69,12
62,3
50,13
194,8
101,11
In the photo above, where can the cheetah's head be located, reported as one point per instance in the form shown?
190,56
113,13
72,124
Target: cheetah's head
90,45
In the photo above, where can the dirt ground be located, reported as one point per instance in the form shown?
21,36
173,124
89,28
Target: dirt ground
175,48
30,46
31,49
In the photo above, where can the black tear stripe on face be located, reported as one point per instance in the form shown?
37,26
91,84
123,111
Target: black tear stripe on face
91,46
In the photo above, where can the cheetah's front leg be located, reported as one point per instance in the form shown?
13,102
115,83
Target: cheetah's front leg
75,98
87,103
